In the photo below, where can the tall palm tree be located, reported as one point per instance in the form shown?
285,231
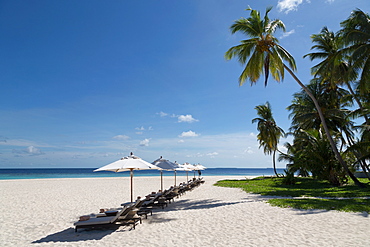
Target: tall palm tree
262,53
269,132
335,66
356,34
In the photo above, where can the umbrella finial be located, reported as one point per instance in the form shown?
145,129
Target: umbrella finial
131,153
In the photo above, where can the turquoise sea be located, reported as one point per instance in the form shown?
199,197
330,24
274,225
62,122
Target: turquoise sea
6,174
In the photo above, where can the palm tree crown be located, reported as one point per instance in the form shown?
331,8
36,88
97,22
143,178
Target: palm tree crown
261,52
356,33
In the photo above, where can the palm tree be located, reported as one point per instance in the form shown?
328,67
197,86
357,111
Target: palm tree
262,53
304,115
335,66
356,34
269,132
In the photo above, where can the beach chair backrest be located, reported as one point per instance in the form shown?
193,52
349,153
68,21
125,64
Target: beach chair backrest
123,212
139,203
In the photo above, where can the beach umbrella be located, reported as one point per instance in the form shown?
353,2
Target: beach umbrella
166,165
128,163
198,168
186,167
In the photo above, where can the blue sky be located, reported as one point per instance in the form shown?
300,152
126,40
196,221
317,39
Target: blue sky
84,83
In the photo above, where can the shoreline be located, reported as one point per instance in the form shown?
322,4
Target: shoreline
125,178
42,212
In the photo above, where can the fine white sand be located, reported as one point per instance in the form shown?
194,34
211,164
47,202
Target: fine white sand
42,212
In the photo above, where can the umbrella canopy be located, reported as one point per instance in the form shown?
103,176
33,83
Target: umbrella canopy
167,165
187,168
128,163
198,168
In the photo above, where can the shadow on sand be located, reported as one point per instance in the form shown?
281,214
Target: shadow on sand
199,204
69,235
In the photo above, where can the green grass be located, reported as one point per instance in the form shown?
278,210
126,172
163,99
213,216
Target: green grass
346,205
307,187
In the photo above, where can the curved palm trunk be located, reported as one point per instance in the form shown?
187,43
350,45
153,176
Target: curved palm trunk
274,163
323,122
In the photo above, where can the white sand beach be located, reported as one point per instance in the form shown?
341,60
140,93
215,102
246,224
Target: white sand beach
42,213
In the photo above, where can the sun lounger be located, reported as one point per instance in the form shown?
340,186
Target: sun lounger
155,201
107,221
171,194
130,218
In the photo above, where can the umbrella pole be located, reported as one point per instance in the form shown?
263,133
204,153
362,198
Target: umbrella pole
131,175
175,178
161,180
187,176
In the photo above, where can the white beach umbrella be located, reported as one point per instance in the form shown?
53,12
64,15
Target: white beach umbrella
129,163
167,165
199,168
185,167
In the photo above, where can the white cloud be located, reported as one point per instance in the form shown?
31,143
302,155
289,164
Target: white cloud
188,134
142,129
286,34
162,114
288,5
239,149
121,137
213,154
249,151
144,143
186,118
31,150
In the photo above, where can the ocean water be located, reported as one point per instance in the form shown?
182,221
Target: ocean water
7,174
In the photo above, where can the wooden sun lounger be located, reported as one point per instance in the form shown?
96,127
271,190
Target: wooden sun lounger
107,221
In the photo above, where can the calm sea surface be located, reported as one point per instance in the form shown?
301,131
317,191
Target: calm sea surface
6,174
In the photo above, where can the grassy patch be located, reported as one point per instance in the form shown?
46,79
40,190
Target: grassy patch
346,205
306,187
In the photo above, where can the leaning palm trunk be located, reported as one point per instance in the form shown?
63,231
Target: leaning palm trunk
326,129
274,163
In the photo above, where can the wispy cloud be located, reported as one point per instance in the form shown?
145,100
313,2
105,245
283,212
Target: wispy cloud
233,149
289,5
188,134
162,114
31,150
121,137
142,129
286,34
212,155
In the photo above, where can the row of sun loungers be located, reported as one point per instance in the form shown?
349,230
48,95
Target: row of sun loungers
131,213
